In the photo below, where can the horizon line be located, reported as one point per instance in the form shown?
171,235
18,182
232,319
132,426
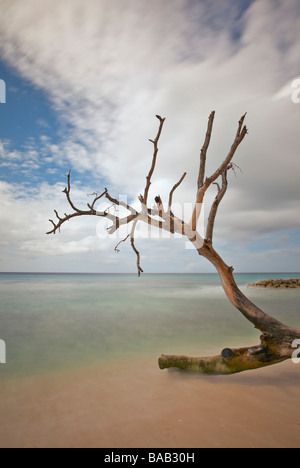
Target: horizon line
145,274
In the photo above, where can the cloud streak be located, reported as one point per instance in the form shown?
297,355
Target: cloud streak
109,67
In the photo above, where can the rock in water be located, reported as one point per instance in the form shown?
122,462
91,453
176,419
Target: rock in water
288,284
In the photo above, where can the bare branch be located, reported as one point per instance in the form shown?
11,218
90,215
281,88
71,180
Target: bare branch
235,168
240,135
241,129
276,341
150,174
204,150
123,240
109,207
215,206
140,270
67,192
58,217
67,218
118,222
160,211
138,257
92,206
131,235
173,190
53,225
90,212
170,224
120,203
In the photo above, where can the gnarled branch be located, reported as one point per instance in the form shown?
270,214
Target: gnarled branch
277,338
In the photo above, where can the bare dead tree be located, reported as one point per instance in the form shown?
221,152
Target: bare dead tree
276,339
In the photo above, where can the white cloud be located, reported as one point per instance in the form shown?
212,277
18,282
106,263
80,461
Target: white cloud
108,69
24,222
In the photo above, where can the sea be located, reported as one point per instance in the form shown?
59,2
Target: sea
56,322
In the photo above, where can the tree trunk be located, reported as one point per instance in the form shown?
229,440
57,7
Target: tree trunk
276,340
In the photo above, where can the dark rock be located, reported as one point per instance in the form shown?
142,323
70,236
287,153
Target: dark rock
279,283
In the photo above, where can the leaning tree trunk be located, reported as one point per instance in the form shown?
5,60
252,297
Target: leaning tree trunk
276,340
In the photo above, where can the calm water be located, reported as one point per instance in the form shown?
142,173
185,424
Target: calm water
53,322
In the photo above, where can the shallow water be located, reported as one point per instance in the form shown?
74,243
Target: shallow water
55,322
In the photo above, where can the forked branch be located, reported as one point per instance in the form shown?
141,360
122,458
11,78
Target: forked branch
202,189
116,221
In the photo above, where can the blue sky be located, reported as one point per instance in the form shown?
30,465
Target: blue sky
83,87
30,126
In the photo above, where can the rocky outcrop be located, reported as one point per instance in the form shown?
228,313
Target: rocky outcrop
278,283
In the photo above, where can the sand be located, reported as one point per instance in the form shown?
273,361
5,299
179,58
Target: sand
135,405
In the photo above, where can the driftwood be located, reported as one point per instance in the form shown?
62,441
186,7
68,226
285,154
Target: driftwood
276,342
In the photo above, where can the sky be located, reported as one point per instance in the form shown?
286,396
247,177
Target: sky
84,80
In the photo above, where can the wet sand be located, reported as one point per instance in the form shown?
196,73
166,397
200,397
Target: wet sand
135,405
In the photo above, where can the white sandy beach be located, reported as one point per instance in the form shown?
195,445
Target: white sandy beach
135,405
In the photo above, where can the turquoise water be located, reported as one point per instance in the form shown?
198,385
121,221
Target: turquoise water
54,322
